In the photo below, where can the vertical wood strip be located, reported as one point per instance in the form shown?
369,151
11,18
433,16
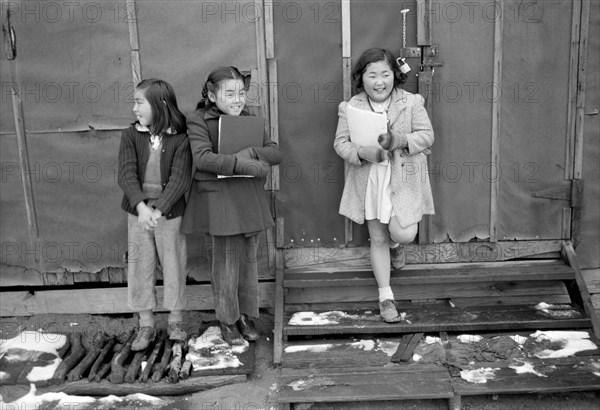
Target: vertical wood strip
267,13
32,224
274,117
423,22
496,117
346,34
572,92
261,59
136,68
581,87
566,223
347,85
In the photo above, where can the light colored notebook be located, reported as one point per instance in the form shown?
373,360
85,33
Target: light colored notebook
365,127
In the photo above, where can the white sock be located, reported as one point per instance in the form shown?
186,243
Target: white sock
385,293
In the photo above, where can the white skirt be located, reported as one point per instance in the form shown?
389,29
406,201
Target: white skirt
378,199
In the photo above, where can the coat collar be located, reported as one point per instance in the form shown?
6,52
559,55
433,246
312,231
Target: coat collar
397,105
140,128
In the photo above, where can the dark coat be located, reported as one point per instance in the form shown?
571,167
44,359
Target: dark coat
227,206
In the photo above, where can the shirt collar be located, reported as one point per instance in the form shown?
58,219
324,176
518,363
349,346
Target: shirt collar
139,127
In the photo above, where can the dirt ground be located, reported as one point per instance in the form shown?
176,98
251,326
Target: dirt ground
260,390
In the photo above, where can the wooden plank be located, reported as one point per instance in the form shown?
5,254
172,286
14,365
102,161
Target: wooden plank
581,89
424,11
111,300
571,256
132,25
346,29
406,353
163,388
427,291
572,90
436,318
261,59
496,118
432,274
592,279
530,300
32,223
273,118
136,69
267,11
346,85
365,387
278,319
565,378
359,257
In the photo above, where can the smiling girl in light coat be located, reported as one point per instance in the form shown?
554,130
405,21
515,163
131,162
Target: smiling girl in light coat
391,196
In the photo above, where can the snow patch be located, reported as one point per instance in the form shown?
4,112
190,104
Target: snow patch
364,344
210,351
527,368
308,348
481,375
570,342
519,339
33,340
469,338
429,340
387,347
39,373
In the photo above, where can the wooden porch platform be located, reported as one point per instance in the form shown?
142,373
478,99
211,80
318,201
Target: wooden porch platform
332,346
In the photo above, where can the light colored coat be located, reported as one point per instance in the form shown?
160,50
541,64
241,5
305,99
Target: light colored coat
411,191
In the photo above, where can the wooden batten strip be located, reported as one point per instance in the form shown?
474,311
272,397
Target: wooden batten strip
261,59
267,12
274,118
571,258
423,22
136,68
581,89
358,257
496,117
347,85
108,301
572,92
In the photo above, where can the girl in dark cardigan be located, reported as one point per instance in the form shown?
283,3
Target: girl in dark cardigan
231,211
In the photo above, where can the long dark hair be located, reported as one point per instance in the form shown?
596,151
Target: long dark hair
215,77
162,100
374,55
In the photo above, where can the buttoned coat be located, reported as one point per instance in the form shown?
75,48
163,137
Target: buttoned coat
411,190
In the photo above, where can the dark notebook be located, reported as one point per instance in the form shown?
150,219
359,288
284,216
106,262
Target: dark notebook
238,132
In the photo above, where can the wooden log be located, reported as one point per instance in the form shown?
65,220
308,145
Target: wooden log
90,357
186,369
153,356
407,352
117,371
191,385
175,365
77,352
100,359
134,367
164,362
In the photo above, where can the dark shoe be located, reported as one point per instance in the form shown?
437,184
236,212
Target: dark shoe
247,328
176,332
145,335
231,334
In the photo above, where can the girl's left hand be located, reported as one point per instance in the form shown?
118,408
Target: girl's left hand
247,153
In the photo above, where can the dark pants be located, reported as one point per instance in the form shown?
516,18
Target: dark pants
234,267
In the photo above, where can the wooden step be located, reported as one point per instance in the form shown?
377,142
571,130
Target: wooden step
441,317
364,384
310,277
349,370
